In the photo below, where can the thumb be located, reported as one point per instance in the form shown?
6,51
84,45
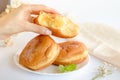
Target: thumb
37,29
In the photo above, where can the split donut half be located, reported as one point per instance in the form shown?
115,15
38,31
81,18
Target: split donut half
60,26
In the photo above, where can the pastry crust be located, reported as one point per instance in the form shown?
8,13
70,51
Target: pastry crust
71,52
39,53
60,26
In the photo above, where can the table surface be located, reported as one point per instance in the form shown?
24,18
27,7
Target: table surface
102,11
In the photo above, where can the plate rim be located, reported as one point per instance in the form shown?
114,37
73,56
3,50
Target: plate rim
16,59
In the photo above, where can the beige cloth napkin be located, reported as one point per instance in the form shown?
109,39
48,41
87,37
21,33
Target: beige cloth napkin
102,41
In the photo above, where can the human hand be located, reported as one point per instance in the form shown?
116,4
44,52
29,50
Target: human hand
20,20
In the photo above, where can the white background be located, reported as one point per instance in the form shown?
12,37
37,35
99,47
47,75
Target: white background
102,11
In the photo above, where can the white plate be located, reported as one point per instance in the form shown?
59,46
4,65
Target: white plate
51,70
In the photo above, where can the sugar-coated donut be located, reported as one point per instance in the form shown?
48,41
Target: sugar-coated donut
39,53
72,52
60,26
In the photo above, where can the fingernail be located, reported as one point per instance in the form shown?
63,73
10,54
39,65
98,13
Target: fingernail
48,32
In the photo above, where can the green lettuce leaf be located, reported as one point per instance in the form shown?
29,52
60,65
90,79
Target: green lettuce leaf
67,68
